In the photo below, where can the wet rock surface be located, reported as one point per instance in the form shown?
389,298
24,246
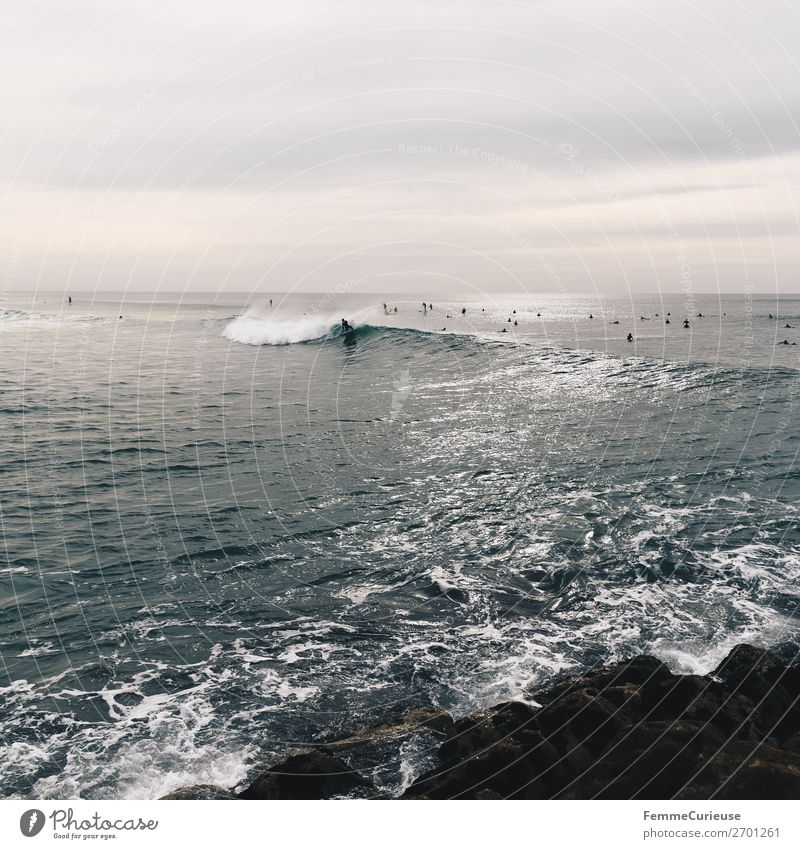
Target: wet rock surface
202,792
314,774
632,730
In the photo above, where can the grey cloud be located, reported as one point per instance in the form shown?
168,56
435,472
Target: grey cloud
157,112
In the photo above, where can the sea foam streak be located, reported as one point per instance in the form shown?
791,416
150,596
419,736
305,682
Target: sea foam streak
12,319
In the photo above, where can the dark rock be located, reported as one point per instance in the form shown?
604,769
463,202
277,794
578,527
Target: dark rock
746,770
500,752
314,774
487,794
505,770
793,744
430,719
771,688
631,730
649,760
623,679
750,668
694,698
476,733
205,792
581,718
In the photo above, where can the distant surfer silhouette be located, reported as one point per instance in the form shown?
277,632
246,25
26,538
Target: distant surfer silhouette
630,337
346,326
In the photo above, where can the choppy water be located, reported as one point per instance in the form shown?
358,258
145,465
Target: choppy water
216,547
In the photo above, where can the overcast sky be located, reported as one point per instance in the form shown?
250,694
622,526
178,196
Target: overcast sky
266,146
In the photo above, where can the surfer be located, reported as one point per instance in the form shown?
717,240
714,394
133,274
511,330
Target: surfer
424,308
686,324
630,337
463,310
69,299
346,326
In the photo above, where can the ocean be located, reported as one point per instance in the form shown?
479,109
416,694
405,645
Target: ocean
229,529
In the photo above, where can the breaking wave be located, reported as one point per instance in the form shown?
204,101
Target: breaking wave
252,328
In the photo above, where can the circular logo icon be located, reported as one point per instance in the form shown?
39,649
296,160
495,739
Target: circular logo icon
31,822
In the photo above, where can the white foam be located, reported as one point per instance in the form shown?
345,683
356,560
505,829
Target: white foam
254,328
11,319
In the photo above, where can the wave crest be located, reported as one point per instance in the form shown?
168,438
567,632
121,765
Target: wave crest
252,329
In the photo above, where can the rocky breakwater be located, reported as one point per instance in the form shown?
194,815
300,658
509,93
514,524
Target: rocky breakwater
632,730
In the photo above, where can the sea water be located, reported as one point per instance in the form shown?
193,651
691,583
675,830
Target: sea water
230,529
